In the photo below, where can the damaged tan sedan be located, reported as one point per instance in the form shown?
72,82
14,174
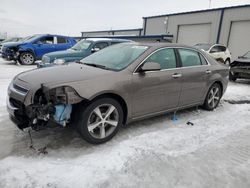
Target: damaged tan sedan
117,85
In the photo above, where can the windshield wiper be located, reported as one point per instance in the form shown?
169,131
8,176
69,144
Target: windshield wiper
79,62
96,65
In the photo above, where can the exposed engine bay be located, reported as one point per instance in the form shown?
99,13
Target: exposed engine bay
52,105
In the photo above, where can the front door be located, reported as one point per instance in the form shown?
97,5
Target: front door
156,91
44,45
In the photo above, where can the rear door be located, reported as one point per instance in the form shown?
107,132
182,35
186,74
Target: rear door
157,91
62,43
44,45
195,74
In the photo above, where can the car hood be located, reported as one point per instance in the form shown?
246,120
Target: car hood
66,53
64,74
12,44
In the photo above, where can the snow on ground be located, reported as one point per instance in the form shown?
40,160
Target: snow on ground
157,152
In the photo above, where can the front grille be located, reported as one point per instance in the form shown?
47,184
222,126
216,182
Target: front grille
20,89
15,103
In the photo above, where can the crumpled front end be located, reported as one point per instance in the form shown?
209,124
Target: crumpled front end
36,107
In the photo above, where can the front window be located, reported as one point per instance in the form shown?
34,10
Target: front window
116,57
82,45
46,40
165,58
100,45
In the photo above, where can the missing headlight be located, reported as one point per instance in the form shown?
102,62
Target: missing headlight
64,95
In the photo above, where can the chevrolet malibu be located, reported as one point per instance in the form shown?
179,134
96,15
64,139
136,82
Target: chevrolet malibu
115,86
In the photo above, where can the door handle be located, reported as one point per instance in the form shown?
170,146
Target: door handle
208,71
177,75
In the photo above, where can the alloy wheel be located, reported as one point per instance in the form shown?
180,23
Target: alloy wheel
214,97
27,58
103,121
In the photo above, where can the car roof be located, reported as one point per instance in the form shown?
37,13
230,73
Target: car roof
164,44
43,35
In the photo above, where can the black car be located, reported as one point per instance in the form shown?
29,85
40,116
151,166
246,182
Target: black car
240,68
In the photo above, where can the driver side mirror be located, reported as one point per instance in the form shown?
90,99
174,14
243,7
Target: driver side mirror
93,50
150,66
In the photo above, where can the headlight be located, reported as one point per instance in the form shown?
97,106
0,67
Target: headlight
45,59
59,61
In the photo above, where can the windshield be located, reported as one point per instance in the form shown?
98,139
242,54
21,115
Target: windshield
205,47
10,40
116,57
247,55
82,45
29,38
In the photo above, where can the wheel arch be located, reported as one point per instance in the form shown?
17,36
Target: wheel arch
119,99
220,83
27,50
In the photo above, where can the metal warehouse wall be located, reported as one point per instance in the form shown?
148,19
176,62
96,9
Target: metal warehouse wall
235,30
170,24
229,26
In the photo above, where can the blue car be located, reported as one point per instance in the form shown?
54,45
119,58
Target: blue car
80,50
32,48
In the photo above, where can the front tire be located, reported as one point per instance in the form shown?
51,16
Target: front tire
27,58
213,97
99,121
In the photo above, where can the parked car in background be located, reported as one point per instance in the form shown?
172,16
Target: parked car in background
13,39
219,52
240,68
117,85
32,48
80,50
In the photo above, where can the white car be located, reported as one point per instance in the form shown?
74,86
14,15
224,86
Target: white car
217,51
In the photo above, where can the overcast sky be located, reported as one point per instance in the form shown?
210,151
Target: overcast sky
70,17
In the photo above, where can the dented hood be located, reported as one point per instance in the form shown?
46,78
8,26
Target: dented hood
61,74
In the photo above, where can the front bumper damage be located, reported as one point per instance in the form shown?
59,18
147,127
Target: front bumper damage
36,109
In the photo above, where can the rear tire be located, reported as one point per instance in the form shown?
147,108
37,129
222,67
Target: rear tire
213,97
99,121
27,58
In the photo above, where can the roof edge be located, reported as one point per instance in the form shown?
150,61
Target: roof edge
199,11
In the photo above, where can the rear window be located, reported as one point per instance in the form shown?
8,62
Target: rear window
189,58
61,40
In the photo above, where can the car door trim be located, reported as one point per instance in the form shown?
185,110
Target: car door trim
181,67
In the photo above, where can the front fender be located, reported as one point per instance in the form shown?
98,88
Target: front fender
25,48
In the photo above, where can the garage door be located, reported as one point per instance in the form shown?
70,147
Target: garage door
194,34
239,39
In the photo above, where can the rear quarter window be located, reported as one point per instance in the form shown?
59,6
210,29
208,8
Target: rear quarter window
61,40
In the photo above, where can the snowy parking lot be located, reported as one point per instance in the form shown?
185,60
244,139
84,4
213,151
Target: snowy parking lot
157,152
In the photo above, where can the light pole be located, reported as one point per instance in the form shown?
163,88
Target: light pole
210,1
